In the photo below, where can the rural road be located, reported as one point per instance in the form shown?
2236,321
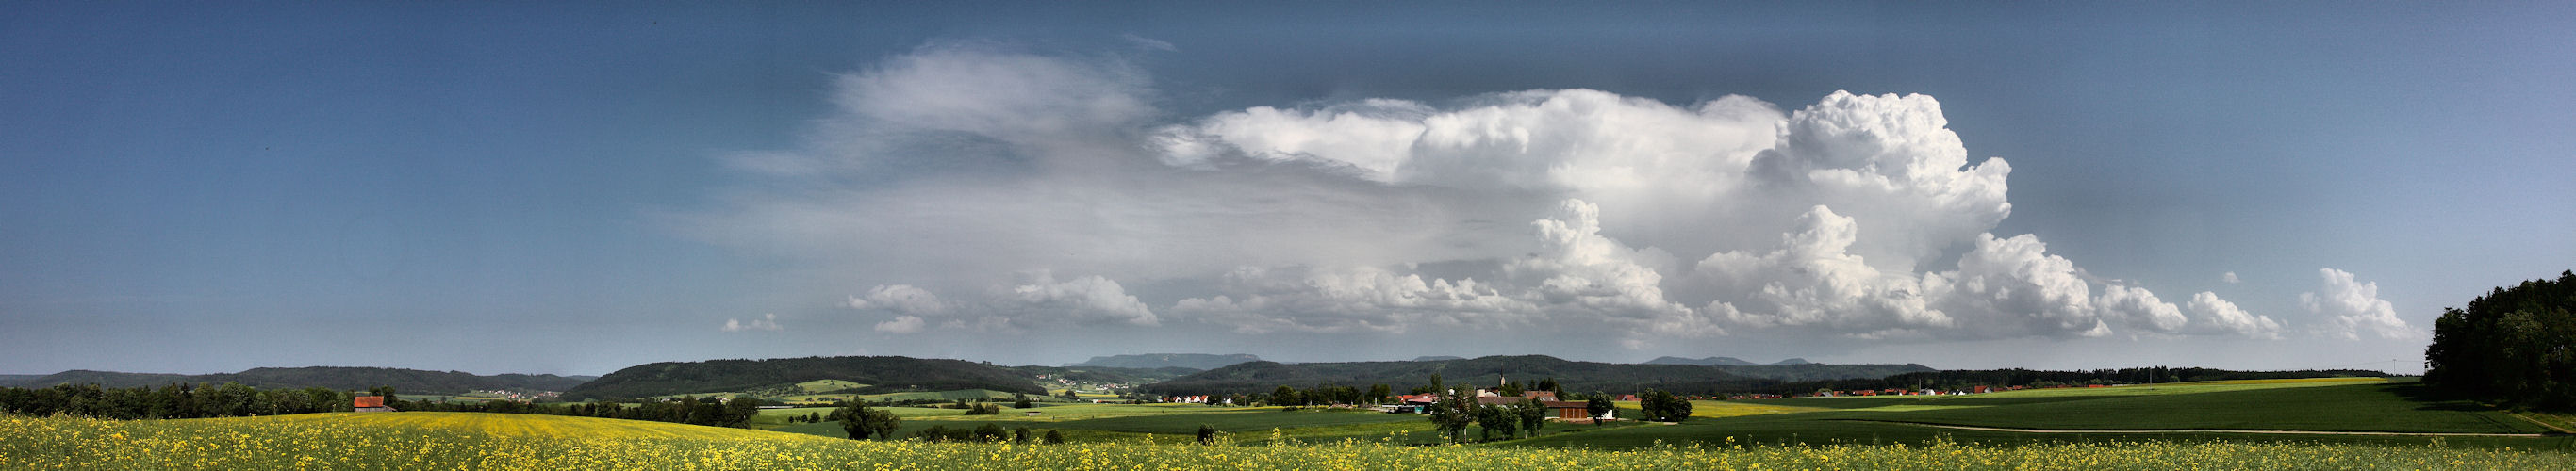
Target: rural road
2268,432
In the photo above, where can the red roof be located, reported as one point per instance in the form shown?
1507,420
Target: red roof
370,401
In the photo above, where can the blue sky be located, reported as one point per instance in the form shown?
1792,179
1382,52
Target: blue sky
575,189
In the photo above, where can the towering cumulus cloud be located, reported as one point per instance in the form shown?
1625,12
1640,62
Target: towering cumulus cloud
976,187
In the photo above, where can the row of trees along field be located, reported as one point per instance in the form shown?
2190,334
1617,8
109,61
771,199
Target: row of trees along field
189,401
2515,346
172,401
715,412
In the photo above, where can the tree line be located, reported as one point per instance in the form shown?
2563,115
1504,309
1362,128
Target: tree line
2515,346
713,412
192,401
171,401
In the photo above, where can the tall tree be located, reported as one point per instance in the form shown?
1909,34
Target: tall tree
1495,419
1532,415
1598,405
2514,345
1452,414
860,421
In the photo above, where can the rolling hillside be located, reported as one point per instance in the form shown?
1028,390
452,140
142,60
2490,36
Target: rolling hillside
1574,375
334,377
1195,361
1581,376
882,374
1721,361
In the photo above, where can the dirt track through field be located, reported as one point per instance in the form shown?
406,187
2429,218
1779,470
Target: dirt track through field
2265,432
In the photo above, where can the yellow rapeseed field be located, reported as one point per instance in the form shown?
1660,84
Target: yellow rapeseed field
420,440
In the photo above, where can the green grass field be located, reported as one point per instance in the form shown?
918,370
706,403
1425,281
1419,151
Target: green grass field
2327,405
1168,421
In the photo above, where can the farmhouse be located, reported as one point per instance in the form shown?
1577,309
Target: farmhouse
370,404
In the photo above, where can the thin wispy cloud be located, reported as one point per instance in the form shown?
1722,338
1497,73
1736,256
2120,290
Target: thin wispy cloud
764,322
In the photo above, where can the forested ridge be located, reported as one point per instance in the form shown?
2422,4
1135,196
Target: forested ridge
331,377
1262,376
881,374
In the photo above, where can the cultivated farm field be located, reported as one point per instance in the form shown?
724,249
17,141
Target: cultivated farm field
418,440
2349,423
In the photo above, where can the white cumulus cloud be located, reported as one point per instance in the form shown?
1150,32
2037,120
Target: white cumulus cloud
900,299
2218,315
973,168
2353,308
1089,298
901,325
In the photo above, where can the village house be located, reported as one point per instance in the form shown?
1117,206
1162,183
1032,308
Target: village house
370,404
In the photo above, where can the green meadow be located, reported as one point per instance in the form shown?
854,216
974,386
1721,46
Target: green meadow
2349,410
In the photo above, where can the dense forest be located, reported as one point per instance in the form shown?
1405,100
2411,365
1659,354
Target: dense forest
331,377
1259,377
881,374
2515,346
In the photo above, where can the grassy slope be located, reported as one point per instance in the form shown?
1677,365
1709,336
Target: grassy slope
2359,407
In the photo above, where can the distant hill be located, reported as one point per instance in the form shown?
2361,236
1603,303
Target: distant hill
1196,361
882,374
1786,371
1403,375
1722,361
334,377
1710,361
1962,379
1103,374
1437,358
